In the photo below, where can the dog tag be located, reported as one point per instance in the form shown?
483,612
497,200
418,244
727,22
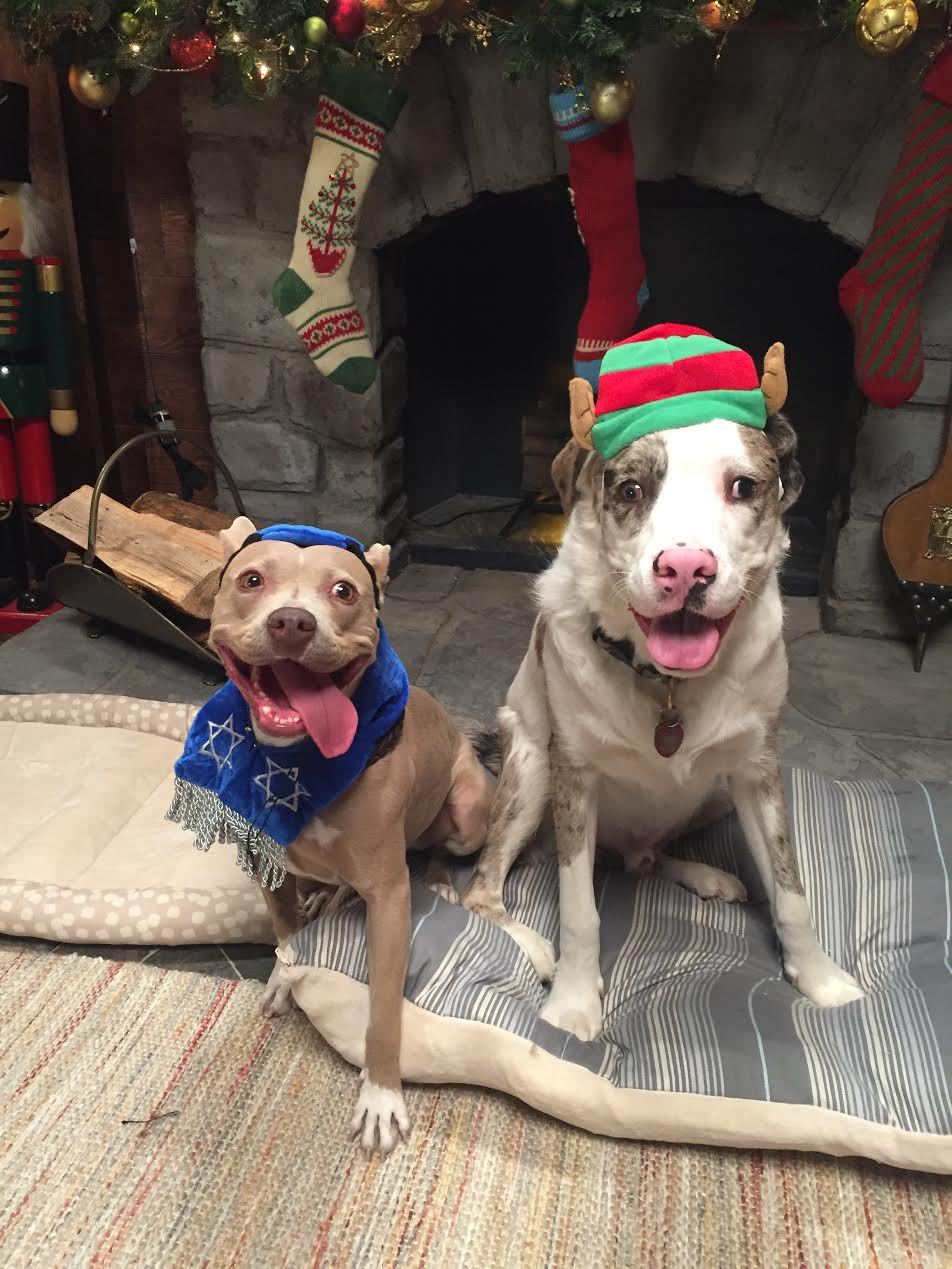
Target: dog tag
669,733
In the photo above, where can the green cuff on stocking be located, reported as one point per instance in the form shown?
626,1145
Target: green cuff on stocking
366,92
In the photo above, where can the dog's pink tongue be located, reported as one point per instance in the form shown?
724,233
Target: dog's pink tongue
682,641
328,715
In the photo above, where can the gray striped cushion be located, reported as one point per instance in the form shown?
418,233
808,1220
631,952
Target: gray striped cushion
695,997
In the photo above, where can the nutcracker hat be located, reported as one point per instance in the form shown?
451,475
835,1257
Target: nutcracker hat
14,132
675,376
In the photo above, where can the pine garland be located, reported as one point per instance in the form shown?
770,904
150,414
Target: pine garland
577,38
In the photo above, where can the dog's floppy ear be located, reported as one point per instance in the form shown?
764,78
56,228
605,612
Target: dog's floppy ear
773,384
200,600
378,557
235,536
783,438
566,468
582,412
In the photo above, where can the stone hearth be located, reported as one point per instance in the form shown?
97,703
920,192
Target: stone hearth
809,125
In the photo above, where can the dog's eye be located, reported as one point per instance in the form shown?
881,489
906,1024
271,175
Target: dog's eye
344,592
631,492
743,488
251,581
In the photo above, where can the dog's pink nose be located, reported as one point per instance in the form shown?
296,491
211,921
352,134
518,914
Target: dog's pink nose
683,567
291,628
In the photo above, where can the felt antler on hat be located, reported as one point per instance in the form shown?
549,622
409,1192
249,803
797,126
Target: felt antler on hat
773,382
673,376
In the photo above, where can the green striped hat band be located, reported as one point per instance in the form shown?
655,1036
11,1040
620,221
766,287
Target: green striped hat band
673,376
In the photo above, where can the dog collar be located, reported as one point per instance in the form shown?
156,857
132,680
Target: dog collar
669,732
623,650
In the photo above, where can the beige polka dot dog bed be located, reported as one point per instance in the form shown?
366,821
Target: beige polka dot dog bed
86,854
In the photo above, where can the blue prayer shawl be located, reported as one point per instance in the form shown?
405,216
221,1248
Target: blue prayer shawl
231,788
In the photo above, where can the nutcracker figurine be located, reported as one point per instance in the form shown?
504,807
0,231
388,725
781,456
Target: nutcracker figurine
35,390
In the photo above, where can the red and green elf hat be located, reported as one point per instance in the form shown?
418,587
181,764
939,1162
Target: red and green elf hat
673,376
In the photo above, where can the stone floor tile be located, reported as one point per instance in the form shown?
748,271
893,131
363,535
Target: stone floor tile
805,743
916,760
424,584
200,958
412,629
497,595
472,664
869,686
251,960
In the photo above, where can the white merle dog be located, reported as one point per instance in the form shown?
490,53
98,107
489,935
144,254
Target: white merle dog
666,579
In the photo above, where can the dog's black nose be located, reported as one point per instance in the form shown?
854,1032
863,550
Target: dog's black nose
291,628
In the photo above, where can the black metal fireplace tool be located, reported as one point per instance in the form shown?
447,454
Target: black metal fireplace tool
87,584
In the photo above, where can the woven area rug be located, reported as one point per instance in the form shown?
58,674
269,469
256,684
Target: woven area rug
244,1158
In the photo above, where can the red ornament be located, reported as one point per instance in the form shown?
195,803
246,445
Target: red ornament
192,52
346,19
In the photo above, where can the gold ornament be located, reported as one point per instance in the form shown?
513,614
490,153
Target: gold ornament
96,89
611,99
395,36
479,30
215,14
420,8
883,27
723,15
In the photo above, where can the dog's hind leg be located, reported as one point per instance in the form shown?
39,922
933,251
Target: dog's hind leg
517,809
758,796
460,827
468,803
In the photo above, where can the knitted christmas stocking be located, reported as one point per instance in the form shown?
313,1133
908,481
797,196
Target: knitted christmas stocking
354,113
602,182
880,294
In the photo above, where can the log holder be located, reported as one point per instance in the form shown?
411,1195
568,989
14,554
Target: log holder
90,587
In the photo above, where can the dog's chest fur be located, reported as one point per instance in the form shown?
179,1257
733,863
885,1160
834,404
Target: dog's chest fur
606,713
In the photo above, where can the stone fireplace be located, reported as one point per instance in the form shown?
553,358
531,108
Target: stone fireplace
807,125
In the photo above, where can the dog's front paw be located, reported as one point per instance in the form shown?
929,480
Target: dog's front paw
380,1117
576,1006
276,999
822,981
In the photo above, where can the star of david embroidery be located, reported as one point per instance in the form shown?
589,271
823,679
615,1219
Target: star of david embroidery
289,775
231,738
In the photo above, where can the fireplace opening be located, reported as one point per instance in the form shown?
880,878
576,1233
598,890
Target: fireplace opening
491,297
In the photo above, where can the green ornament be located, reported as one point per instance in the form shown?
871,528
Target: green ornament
215,14
129,24
315,31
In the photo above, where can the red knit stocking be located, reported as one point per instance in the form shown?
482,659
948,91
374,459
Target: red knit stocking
880,294
602,180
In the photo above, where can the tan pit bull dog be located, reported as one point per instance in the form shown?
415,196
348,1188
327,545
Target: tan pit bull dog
297,630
